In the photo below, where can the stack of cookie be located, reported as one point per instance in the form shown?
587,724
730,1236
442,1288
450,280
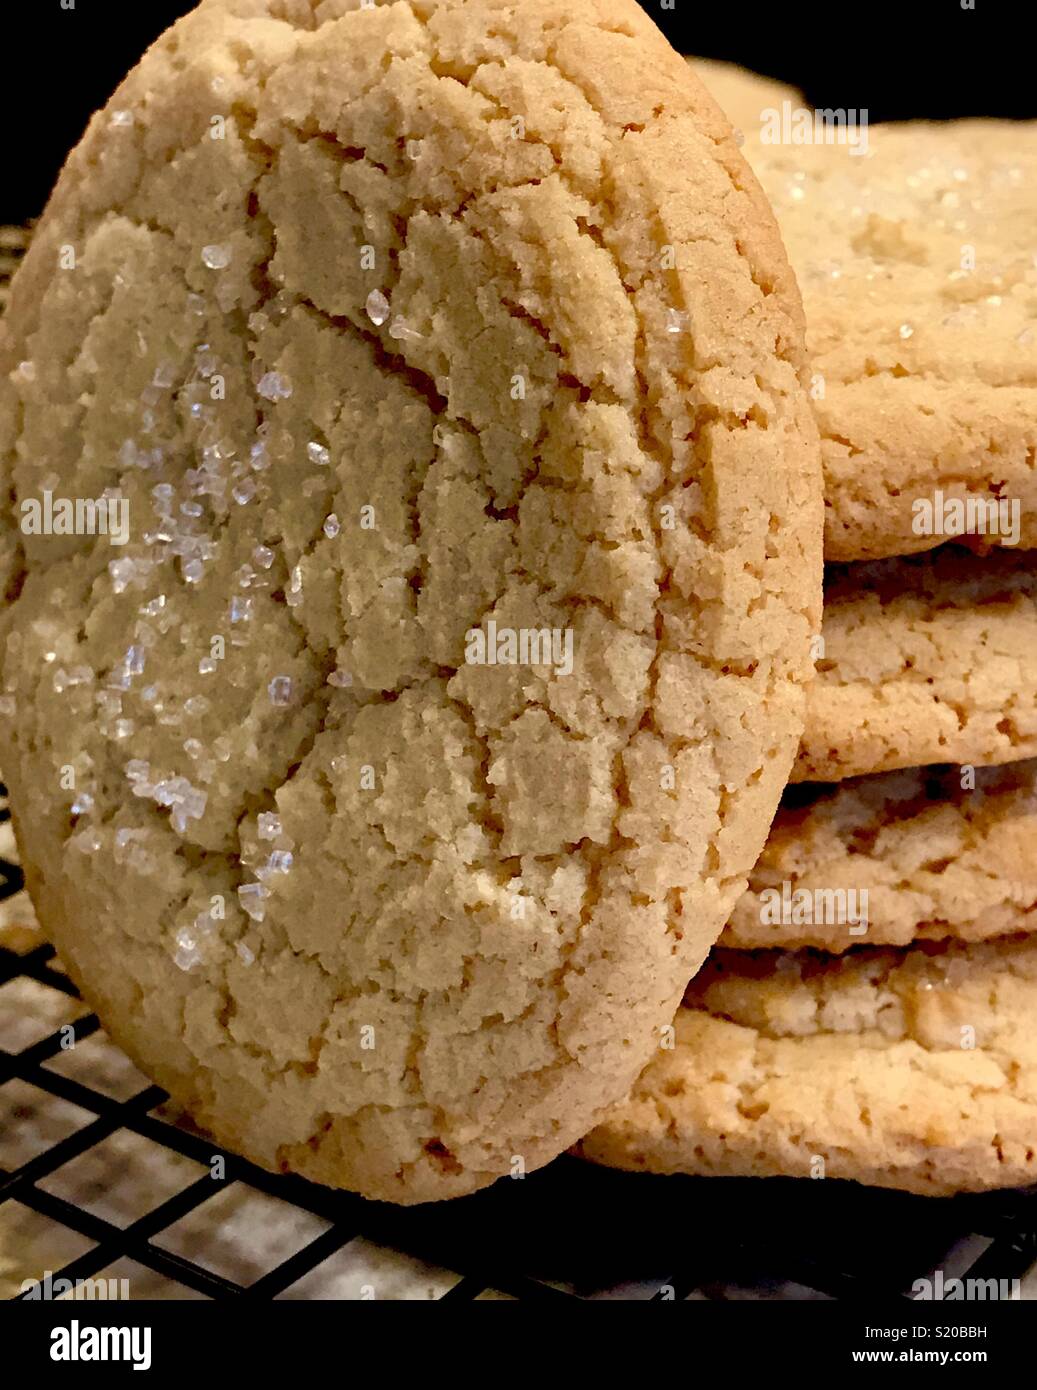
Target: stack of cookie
868,1011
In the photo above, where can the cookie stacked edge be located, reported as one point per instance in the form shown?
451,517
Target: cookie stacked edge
864,1015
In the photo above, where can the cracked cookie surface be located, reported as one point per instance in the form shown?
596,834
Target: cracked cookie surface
911,1069
927,659
388,323
936,859
920,291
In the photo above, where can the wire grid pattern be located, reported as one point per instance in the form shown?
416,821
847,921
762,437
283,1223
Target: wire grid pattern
570,1231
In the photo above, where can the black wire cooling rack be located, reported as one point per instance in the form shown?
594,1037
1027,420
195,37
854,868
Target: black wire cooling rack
570,1230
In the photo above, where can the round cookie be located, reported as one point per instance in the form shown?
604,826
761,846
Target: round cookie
920,288
927,659
384,790
911,1069
744,96
934,859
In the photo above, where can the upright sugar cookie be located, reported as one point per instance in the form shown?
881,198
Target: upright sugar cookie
916,262
913,854
391,325
927,659
912,1069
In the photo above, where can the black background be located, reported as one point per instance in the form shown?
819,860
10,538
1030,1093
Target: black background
898,58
